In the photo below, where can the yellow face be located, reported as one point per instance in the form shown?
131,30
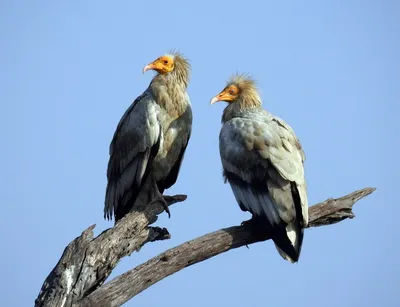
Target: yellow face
162,65
229,94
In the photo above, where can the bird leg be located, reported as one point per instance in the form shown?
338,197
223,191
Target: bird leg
157,197
249,222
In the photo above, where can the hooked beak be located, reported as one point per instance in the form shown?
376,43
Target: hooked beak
148,67
223,96
214,100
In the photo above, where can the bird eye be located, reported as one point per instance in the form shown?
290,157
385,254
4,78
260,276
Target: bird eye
165,61
231,92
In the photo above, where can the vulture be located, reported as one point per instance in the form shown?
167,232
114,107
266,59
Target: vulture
263,162
149,143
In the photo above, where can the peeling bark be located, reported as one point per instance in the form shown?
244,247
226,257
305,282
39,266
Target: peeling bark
88,262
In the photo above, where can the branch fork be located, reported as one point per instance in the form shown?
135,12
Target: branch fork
77,279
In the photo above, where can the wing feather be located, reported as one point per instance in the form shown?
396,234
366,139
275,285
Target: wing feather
185,128
272,157
134,145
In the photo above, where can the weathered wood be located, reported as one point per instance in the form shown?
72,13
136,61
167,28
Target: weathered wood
87,261
129,284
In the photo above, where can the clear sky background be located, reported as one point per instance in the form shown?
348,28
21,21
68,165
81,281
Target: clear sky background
329,68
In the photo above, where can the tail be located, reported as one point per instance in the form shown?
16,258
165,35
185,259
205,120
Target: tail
256,198
130,201
288,241
136,202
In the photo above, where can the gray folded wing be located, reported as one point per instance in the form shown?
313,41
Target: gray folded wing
263,160
133,147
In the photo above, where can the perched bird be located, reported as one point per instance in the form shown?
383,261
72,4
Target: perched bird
149,143
263,160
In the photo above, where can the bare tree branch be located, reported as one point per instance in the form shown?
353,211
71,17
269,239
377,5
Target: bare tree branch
77,278
131,283
87,261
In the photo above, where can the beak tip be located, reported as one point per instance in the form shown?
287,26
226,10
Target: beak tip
214,100
146,68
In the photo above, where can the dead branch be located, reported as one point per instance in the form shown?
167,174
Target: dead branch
87,261
124,287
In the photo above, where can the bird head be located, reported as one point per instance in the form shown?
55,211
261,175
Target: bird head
230,93
163,65
239,87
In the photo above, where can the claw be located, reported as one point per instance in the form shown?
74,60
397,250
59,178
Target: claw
166,208
163,203
244,223
158,197
248,222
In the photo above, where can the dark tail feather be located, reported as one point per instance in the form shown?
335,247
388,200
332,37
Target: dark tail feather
135,201
288,242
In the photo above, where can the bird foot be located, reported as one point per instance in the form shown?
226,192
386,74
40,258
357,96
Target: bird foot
248,222
162,201
174,198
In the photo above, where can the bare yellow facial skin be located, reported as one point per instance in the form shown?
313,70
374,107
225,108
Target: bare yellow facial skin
162,65
229,94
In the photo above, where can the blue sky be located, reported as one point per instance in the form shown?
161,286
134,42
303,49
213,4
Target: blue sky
329,68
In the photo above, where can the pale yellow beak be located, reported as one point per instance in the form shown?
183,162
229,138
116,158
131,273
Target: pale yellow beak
214,100
223,96
148,67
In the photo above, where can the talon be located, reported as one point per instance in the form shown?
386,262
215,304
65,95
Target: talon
159,197
166,208
163,203
248,222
